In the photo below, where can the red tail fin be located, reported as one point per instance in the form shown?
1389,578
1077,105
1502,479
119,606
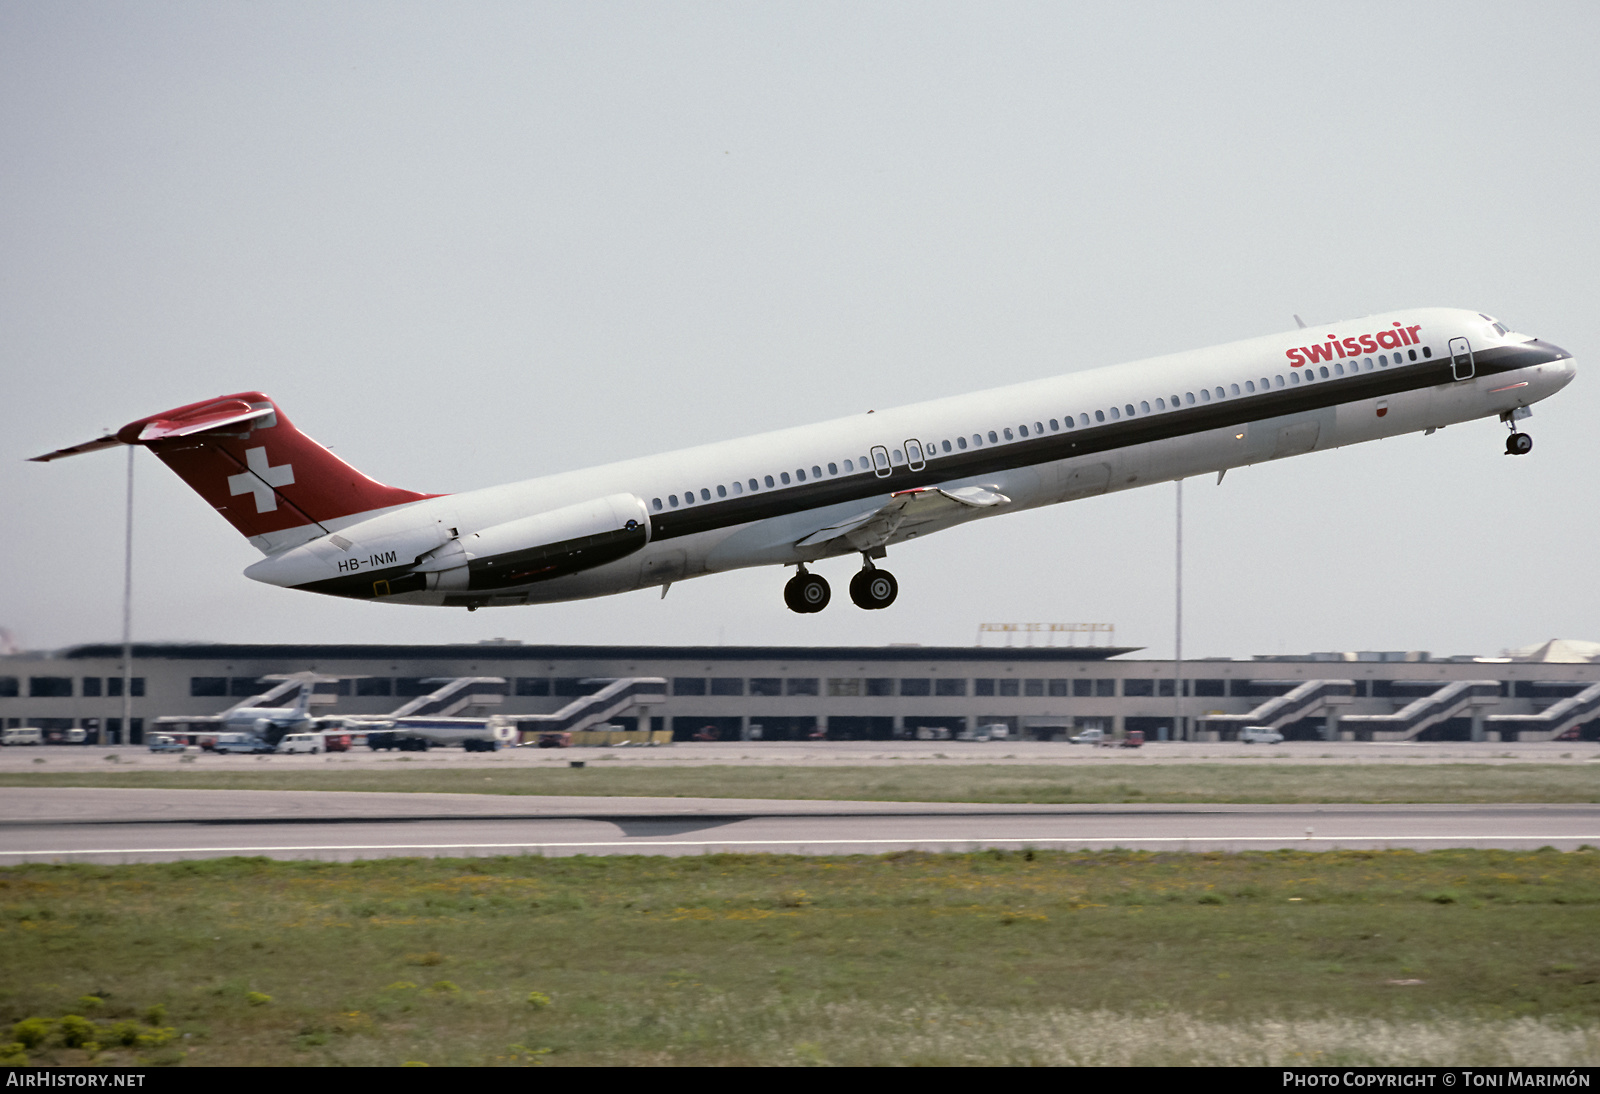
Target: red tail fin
247,459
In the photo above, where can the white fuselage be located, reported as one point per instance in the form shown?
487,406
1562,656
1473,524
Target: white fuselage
751,501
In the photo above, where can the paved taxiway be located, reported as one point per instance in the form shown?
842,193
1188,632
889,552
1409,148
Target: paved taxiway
122,825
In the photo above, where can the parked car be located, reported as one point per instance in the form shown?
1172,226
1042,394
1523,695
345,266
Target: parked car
1088,737
163,742
1260,735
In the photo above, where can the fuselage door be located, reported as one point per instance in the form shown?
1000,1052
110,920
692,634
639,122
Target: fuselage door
1461,358
880,461
914,459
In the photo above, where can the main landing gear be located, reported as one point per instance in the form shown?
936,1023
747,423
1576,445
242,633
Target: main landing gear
1518,444
806,592
872,588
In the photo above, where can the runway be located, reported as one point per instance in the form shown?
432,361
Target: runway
125,826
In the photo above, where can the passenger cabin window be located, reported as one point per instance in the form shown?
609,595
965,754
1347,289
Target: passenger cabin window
1128,410
880,461
816,472
1068,422
1161,404
1144,407
769,482
961,443
1022,429
1055,426
1010,435
993,439
800,474
656,504
672,500
1083,419
1221,394
1114,414
705,494
1205,395
1250,386
1188,397
737,488
914,458
833,469
1294,377
945,445
688,497
783,477
1099,415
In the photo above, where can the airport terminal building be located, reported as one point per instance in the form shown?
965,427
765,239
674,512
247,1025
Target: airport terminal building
850,692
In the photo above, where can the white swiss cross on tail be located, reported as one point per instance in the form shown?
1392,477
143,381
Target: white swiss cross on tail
260,479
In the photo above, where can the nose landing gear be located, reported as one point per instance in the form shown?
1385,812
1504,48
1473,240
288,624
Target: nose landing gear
807,592
1518,444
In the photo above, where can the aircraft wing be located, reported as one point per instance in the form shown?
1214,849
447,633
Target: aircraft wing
908,510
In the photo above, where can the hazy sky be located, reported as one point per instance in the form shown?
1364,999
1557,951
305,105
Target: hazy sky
472,243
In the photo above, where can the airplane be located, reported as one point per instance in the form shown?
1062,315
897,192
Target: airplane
268,723
855,485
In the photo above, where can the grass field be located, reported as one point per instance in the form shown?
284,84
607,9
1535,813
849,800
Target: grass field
1450,957
1215,783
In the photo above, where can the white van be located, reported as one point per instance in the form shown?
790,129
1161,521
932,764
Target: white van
301,742
23,735
1260,735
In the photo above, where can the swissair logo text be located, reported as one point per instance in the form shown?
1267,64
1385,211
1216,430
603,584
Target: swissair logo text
1336,347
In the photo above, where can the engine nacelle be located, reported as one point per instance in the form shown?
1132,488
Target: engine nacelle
544,546
388,556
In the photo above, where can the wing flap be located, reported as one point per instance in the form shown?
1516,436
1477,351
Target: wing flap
912,508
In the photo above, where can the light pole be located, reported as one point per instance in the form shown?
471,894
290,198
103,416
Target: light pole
1177,629
127,615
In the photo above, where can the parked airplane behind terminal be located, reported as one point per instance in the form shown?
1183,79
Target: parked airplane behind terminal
853,485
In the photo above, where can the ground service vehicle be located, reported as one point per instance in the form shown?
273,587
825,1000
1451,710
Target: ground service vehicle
1260,735
853,486
22,735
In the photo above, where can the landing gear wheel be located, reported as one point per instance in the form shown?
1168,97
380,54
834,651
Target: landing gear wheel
1519,444
806,593
873,589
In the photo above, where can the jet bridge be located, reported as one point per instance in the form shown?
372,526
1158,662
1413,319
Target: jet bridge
1411,720
1567,714
1302,701
454,695
587,711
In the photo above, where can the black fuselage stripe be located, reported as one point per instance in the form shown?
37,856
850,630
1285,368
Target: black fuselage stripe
710,516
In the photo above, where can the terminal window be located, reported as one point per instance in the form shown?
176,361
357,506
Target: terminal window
982,687
688,685
1033,688
207,686
844,687
412,686
1082,688
879,685
1058,688
915,686
944,686
244,686
50,687
766,685
1139,686
727,685
8,687
91,687
383,685
1105,688
1211,688
1007,687
802,685
114,686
